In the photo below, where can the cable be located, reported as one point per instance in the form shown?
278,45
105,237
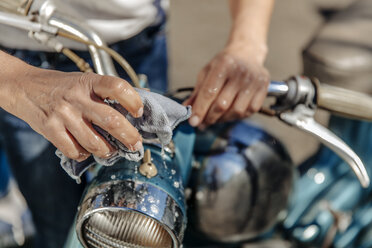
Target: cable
80,63
117,57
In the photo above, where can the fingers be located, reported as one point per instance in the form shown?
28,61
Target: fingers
82,131
88,137
114,123
64,141
117,89
77,139
223,102
248,101
239,108
231,89
258,99
70,147
107,118
207,93
199,82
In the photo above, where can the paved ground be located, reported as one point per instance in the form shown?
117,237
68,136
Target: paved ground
198,30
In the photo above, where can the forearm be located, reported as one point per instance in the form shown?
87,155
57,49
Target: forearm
250,24
12,75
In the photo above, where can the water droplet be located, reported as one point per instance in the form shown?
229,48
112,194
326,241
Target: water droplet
143,209
162,153
151,199
154,209
113,177
173,172
319,178
176,184
165,165
214,90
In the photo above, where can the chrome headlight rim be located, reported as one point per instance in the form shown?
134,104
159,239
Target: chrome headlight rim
95,201
80,224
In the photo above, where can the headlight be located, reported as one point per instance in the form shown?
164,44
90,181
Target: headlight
129,211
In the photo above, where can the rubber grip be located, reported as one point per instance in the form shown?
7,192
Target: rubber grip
344,102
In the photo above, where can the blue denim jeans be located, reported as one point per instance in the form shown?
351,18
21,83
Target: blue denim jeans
52,196
4,174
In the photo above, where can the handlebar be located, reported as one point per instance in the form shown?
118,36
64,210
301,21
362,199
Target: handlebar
337,100
277,88
344,102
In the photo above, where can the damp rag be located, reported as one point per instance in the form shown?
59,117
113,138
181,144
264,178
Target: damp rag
160,116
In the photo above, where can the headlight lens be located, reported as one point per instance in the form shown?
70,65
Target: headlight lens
124,228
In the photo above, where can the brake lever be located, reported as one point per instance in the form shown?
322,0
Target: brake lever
301,95
303,118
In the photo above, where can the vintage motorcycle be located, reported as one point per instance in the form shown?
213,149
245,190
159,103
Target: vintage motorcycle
229,183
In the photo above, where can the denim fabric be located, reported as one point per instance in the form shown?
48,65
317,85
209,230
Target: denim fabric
51,195
4,174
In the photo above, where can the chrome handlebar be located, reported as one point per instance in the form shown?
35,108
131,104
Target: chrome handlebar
277,89
44,27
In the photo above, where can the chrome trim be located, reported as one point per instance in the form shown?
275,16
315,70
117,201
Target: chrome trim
277,88
128,195
102,61
303,118
24,23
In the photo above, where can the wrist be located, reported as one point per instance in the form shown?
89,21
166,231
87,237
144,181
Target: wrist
250,24
248,48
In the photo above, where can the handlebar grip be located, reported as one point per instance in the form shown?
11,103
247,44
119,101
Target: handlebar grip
344,102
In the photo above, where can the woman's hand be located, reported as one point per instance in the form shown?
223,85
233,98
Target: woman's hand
63,106
232,86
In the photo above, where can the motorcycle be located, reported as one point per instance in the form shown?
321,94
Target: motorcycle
236,179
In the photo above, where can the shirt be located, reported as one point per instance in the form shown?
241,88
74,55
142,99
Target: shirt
113,20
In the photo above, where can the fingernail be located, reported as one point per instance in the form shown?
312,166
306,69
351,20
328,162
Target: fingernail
137,146
140,112
83,156
110,154
194,121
